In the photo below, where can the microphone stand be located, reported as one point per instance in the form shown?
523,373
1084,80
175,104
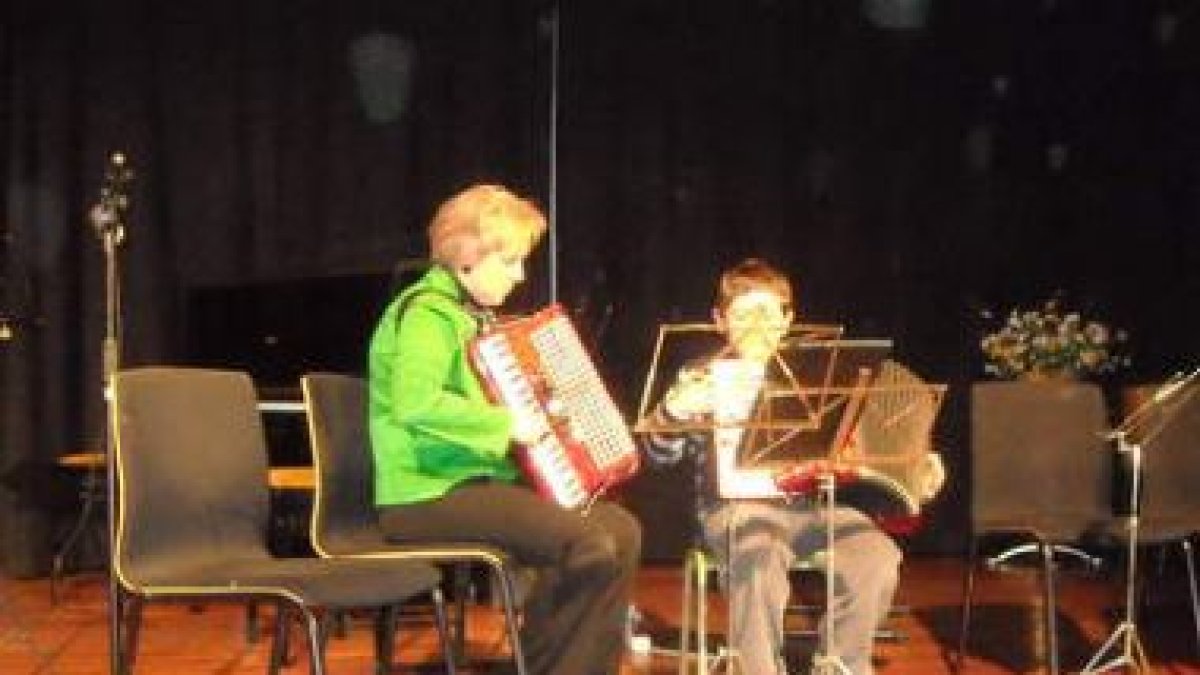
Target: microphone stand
111,238
107,218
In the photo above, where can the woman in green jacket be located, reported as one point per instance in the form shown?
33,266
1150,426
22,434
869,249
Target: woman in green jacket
442,451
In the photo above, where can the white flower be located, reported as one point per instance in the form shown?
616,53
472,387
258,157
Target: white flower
1050,338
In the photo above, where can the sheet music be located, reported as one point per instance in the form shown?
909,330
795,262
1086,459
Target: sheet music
736,385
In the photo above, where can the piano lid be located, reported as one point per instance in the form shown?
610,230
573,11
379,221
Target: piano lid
279,330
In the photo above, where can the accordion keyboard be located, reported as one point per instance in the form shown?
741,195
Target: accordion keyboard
516,392
594,418
538,366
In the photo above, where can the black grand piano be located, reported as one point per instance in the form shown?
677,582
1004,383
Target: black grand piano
279,330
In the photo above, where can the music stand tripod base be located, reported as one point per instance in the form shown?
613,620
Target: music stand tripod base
1126,634
1146,427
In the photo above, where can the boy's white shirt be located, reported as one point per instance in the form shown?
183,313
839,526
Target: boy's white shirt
736,384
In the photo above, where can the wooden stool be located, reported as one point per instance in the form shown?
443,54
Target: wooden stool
291,478
92,494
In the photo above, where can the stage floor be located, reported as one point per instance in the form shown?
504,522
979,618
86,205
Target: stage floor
71,637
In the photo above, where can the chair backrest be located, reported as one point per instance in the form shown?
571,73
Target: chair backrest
1171,460
343,509
1039,458
192,470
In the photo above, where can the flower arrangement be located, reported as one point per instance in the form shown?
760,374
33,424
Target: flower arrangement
1052,341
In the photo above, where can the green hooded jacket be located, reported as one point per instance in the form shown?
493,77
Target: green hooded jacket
431,424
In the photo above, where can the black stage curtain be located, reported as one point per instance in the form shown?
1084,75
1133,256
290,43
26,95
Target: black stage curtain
270,140
986,155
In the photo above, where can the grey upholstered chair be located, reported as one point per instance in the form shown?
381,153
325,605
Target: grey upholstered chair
344,520
193,500
1041,470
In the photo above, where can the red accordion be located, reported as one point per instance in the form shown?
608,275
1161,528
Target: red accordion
539,365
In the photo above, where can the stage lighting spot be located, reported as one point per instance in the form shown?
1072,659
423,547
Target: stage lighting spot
383,65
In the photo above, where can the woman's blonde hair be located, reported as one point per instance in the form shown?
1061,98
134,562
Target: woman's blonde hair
482,219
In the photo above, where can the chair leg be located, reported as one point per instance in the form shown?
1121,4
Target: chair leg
385,639
461,584
129,618
687,611
443,629
280,642
341,624
251,622
508,597
315,632
1190,557
964,624
1051,628
327,622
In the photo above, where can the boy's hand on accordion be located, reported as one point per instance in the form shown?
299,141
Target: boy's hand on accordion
527,428
931,476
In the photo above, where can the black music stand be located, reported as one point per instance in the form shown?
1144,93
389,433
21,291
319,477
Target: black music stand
802,432
805,415
1138,430
679,345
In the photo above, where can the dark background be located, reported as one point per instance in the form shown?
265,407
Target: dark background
910,162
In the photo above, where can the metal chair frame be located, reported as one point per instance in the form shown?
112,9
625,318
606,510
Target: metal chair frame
344,522
190,455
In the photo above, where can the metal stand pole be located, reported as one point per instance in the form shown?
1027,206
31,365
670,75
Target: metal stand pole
1126,634
108,219
826,661
111,363
552,243
695,596
727,656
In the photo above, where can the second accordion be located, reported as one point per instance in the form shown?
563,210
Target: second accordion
538,364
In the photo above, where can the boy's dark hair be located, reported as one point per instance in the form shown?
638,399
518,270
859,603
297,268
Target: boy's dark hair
752,274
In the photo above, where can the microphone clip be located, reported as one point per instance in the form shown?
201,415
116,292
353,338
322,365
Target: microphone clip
107,216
